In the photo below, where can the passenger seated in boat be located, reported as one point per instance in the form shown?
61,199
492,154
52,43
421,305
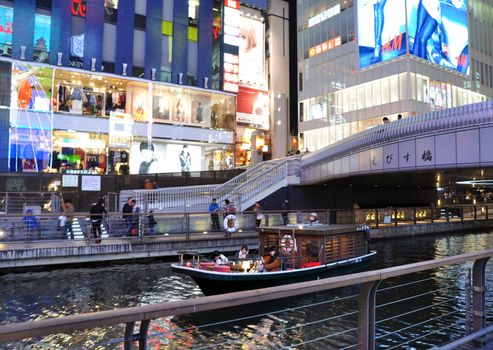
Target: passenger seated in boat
313,219
242,253
272,261
218,258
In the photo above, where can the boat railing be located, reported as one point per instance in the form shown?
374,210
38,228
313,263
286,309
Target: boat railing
364,326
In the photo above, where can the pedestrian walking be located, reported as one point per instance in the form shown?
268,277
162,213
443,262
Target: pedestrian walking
151,222
97,213
68,212
257,209
285,208
127,215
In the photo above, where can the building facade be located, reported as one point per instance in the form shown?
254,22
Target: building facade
360,61
145,86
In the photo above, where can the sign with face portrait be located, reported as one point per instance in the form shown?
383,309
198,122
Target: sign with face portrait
252,52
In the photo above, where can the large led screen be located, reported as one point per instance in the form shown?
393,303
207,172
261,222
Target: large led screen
381,30
438,32
157,157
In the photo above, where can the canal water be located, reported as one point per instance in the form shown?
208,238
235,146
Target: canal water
309,322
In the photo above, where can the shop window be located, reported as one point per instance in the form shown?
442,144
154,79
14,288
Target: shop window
5,83
31,86
138,72
140,22
110,11
108,67
41,48
193,13
191,80
43,4
165,76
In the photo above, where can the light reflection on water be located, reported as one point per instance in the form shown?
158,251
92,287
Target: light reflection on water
40,295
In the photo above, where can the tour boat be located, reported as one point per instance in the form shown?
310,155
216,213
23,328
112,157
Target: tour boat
306,253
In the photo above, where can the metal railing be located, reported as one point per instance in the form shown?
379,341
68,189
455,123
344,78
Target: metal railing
462,116
242,187
364,330
49,226
19,202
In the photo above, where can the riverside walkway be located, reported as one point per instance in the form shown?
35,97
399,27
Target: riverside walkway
387,223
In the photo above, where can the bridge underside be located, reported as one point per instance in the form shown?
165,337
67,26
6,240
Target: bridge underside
413,188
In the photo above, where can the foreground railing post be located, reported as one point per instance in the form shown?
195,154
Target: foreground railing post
376,218
130,337
366,315
479,295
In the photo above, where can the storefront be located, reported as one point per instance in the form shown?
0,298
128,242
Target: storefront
52,125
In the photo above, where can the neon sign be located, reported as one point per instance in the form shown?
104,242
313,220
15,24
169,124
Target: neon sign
325,46
322,16
79,8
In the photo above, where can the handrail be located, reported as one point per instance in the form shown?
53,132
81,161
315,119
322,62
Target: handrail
22,330
462,116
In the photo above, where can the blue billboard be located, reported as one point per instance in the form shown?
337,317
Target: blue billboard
438,32
381,30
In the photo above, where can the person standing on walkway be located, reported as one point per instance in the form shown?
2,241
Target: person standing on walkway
127,215
32,224
214,211
134,230
285,207
257,209
68,212
151,222
97,213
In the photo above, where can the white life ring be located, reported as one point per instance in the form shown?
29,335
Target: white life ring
287,244
231,223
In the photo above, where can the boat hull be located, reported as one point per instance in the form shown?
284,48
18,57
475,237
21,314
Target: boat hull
212,282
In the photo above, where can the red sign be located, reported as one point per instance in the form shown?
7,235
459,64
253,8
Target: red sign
252,107
79,8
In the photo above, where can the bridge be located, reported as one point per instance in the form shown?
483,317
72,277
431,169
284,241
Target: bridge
459,137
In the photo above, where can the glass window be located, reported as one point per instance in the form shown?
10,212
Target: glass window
42,27
193,12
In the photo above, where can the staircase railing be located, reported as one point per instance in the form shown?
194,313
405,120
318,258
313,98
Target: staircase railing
260,183
256,179
228,188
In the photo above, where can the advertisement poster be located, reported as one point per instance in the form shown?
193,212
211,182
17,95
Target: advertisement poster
381,30
184,158
147,158
181,108
201,110
31,87
252,52
161,107
253,107
438,32
156,157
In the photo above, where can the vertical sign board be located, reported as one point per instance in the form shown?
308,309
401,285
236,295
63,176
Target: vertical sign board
231,40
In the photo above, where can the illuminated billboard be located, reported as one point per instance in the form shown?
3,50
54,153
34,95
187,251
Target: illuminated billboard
438,32
381,30
252,52
252,107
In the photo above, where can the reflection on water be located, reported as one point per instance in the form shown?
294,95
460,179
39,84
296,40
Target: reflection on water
40,295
